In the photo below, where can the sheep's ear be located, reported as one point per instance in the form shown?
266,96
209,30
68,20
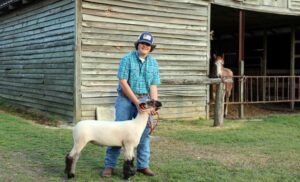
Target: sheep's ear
155,103
158,104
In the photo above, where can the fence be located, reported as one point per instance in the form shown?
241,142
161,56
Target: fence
265,89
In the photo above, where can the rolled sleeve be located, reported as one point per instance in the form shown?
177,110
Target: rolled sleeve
156,78
123,72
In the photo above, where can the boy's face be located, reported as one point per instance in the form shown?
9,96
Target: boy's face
144,49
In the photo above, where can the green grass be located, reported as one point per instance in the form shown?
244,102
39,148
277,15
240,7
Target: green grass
249,150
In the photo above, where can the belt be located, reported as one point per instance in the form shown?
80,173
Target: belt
137,95
141,95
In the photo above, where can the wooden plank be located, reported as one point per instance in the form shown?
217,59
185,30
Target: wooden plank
30,11
144,17
39,71
252,2
29,100
34,11
61,88
58,18
103,100
139,28
60,60
99,94
38,51
158,56
40,91
159,40
106,31
102,88
52,30
94,107
41,39
162,45
158,50
294,5
27,48
186,81
38,96
98,83
41,56
60,26
98,72
158,6
65,114
119,9
86,17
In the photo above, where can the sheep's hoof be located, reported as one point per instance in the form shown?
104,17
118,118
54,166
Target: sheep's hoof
71,175
128,169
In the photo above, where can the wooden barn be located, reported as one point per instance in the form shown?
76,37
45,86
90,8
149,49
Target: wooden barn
61,56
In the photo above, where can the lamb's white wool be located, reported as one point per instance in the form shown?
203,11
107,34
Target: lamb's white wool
125,134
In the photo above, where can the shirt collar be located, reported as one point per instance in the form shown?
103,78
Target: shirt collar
137,56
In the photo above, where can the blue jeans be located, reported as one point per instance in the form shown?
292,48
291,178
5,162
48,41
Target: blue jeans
125,110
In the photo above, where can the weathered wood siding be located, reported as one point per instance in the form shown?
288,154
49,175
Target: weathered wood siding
180,28
37,56
295,5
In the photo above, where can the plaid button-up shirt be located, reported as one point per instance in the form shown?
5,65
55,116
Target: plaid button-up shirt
140,75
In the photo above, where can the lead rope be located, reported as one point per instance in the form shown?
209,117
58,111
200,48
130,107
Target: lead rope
152,128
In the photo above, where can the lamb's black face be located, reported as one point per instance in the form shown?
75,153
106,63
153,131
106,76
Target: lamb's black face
155,103
151,103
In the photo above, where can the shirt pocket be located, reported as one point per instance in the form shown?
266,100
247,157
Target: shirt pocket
134,73
149,75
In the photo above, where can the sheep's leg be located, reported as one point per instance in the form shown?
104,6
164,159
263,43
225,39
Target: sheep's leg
72,158
128,166
69,162
128,169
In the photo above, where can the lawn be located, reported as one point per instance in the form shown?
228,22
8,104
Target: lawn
266,149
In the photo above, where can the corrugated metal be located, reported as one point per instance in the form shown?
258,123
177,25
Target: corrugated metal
37,57
109,28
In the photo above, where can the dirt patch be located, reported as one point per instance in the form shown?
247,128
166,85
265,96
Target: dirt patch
227,156
14,167
36,116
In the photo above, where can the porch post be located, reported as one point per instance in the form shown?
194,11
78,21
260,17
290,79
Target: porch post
292,69
241,60
264,64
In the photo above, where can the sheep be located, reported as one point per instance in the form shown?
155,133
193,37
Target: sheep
124,134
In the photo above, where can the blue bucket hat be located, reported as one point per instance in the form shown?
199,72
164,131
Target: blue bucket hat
146,37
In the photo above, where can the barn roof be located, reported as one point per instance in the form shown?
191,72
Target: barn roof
8,5
226,20
5,3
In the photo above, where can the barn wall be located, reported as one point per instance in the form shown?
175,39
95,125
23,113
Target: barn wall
108,30
37,56
295,5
